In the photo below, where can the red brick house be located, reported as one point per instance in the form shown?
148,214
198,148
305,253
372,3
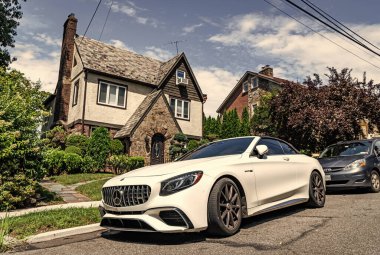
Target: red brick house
249,89
143,101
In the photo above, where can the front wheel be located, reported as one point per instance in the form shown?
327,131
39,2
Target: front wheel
375,181
224,208
317,191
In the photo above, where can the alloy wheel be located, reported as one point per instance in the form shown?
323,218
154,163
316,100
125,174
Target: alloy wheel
230,206
318,188
375,181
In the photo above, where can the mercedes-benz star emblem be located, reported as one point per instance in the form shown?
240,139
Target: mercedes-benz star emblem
117,197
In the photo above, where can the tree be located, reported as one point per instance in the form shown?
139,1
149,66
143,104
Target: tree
261,123
230,126
10,14
211,128
316,114
245,125
99,146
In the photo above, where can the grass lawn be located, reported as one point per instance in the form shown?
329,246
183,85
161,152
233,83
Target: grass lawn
39,222
92,190
68,179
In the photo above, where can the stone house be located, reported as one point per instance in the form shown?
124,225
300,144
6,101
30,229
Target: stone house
143,102
249,89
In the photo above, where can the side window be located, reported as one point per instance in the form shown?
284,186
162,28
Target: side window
377,148
273,146
287,149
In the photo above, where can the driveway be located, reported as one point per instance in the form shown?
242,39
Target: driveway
348,224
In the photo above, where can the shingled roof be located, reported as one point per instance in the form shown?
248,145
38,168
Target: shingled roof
133,121
105,58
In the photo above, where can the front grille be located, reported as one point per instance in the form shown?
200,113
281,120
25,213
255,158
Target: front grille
335,182
332,169
126,223
123,196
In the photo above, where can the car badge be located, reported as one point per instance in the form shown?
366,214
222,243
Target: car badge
327,170
117,197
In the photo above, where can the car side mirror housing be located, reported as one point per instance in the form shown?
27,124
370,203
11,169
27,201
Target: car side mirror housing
262,150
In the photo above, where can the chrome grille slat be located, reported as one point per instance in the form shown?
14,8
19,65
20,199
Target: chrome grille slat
130,195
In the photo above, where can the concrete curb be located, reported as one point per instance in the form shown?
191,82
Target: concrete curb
50,207
64,233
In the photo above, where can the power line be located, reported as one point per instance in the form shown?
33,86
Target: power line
105,22
93,15
290,16
326,24
341,24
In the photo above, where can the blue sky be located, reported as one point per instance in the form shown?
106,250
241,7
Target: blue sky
222,39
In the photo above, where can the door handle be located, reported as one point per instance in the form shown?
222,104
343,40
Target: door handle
286,158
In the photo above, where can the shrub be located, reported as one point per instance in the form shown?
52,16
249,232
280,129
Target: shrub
16,192
73,162
79,141
118,163
192,144
54,161
55,138
73,149
99,146
116,147
135,162
88,165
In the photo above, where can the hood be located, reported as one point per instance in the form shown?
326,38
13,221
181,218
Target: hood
339,162
179,167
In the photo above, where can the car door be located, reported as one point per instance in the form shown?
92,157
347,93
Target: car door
276,178
376,152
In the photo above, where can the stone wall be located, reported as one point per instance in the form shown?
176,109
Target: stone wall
158,120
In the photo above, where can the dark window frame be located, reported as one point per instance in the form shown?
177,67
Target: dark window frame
75,93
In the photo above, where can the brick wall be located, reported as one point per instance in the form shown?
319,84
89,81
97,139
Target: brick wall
238,100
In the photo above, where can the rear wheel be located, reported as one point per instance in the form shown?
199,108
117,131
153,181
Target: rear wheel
224,208
317,191
375,181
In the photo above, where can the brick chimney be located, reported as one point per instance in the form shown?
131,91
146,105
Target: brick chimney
267,70
64,77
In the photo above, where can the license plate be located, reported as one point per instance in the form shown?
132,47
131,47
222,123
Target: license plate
328,177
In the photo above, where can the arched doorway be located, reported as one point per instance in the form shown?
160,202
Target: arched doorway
158,148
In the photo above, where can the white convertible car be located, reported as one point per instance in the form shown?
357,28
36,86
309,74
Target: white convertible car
213,188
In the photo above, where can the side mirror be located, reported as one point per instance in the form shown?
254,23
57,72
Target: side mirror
262,150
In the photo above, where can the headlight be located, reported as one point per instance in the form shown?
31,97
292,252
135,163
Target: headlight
180,182
356,164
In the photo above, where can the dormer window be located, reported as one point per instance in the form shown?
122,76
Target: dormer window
254,83
245,87
181,78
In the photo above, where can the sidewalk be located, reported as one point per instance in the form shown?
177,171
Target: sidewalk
68,193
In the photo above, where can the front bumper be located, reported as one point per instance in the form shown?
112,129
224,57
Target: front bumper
343,179
184,211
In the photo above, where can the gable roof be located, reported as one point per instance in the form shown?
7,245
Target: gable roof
276,80
140,113
106,58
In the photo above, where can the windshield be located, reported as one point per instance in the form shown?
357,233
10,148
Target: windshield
220,148
347,149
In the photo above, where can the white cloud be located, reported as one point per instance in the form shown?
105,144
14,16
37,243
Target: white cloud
295,50
190,29
48,40
216,83
209,21
157,53
37,64
130,9
119,44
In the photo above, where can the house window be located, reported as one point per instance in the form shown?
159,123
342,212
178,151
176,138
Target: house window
181,74
111,94
75,93
181,77
254,83
245,86
180,108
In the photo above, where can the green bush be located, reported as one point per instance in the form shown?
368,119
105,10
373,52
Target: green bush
192,144
17,192
135,162
56,137
54,161
118,163
99,146
79,141
88,165
180,137
73,149
73,162
116,147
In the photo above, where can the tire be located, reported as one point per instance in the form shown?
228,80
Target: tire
224,208
317,191
375,181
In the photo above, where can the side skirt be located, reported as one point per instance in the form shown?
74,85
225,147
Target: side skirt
280,206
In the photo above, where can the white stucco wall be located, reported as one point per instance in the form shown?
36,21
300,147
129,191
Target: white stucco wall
75,112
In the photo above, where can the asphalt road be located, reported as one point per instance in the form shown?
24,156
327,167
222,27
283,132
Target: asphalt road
348,224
